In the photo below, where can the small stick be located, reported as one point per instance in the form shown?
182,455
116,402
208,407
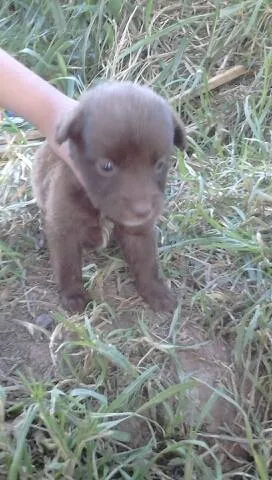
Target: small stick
214,82
8,140
5,148
28,136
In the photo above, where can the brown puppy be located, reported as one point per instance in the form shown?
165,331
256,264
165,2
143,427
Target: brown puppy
120,137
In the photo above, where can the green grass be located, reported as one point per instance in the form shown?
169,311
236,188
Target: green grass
215,246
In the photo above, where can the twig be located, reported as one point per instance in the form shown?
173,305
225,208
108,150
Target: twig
27,136
8,140
214,82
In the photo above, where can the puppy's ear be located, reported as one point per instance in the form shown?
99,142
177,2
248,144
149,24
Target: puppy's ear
179,132
70,127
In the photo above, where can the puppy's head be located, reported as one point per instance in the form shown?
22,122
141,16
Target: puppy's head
121,136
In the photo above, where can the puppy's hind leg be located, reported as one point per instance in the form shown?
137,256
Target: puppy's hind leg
65,252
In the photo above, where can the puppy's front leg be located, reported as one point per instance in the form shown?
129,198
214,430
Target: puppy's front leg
65,254
141,255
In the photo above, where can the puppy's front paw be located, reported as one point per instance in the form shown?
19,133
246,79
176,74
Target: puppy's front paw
159,297
74,302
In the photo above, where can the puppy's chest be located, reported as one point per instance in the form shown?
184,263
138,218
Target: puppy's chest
96,234
106,231
96,228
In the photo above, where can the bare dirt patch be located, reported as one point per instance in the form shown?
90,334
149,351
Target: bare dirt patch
23,345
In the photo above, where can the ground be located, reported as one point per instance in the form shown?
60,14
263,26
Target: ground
121,392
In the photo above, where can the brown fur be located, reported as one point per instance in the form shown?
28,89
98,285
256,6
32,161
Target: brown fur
135,129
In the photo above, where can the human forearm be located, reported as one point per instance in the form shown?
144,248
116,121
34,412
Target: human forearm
31,97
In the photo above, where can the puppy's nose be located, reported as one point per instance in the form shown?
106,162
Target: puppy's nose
141,209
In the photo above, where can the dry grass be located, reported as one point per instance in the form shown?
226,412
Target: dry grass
120,393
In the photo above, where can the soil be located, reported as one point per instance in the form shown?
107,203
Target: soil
23,346
24,343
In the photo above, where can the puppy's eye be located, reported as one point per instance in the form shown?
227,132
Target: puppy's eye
108,166
105,167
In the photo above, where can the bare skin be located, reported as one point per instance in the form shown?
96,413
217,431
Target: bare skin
34,99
